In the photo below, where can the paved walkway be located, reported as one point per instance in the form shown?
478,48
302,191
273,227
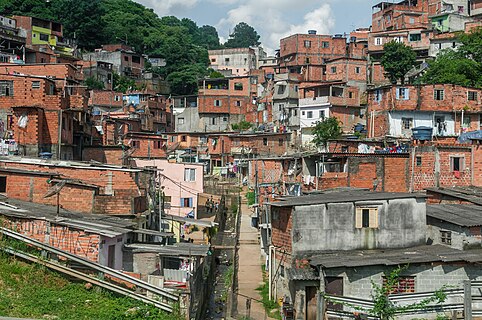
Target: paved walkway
250,261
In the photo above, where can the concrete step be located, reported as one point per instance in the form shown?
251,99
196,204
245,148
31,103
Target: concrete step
248,241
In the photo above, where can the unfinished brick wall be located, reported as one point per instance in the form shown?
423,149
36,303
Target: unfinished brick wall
74,241
281,228
33,188
118,190
106,155
346,70
433,167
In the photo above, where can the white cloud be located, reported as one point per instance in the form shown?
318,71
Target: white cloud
271,18
168,7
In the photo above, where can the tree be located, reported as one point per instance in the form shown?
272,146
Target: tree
472,45
453,68
325,130
242,126
397,60
94,84
81,21
123,84
208,38
185,80
243,36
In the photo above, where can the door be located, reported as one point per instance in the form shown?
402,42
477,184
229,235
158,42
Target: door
311,302
334,286
111,256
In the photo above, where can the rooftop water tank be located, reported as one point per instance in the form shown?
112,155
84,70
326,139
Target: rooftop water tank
422,133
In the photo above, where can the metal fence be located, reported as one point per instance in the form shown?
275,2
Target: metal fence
465,301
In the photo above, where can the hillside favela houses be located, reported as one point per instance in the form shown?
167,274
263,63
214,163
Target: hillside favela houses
336,172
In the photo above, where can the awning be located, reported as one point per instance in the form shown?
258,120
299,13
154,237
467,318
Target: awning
154,233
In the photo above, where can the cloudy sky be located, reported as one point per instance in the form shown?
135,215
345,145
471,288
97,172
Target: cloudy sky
273,19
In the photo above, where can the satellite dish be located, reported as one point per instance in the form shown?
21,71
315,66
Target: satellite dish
55,189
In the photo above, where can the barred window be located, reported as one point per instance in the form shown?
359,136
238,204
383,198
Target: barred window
6,88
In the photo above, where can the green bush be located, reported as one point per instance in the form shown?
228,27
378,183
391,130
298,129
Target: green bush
251,198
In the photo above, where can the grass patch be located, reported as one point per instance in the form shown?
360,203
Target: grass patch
228,277
271,306
32,291
251,198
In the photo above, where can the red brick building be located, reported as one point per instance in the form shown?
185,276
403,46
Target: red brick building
448,109
88,189
49,114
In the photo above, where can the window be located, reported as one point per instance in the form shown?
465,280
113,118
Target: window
136,59
419,161
238,86
307,43
350,95
280,142
183,138
446,237
415,37
213,60
403,93
225,119
457,163
157,144
398,39
126,58
44,37
117,98
357,70
35,84
6,88
322,114
136,144
226,60
265,141
3,184
472,95
309,114
217,103
378,41
407,123
307,60
366,218
404,285
180,120
281,89
186,202
333,69
296,88
282,271
303,113
281,106
189,174
238,103
325,44
412,21
377,96
438,94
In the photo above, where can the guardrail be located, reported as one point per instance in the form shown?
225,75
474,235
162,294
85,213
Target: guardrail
91,265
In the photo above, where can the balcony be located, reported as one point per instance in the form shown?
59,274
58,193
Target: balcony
314,101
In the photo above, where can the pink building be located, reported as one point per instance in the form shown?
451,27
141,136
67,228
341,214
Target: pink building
182,182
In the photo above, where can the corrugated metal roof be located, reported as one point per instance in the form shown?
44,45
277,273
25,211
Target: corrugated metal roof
458,214
344,196
391,257
104,225
184,249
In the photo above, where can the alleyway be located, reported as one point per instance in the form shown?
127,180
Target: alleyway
250,261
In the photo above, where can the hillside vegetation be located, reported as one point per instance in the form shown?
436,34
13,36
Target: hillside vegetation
35,292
